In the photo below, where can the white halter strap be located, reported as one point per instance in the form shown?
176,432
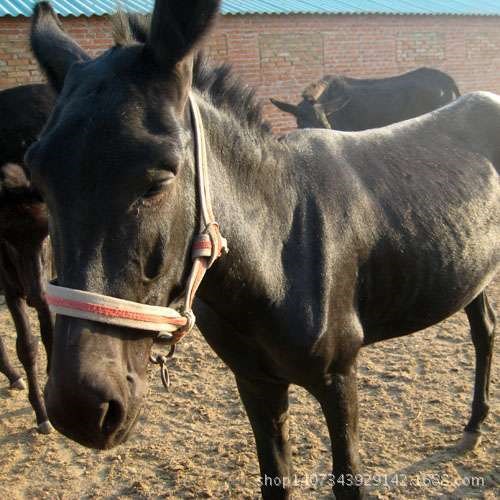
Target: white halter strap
208,246
113,311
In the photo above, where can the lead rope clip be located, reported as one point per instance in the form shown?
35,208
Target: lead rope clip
162,361
169,339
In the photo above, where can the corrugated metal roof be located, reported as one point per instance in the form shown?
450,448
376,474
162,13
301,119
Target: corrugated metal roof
454,7
405,7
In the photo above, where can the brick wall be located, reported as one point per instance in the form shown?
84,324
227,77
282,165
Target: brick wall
18,66
280,55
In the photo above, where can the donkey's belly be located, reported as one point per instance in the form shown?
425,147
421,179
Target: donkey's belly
404,301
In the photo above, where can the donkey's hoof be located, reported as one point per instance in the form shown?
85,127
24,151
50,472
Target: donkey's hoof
45,427
469,441
18,385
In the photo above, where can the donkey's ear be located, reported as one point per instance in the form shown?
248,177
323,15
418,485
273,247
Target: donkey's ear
178,26
284,106
54,50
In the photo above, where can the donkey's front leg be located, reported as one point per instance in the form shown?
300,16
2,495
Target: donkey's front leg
339,401
27,350
15,380
46,321
266,405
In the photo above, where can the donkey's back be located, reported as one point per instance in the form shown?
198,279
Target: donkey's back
421,204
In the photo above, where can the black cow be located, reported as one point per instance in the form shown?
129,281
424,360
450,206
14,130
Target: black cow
351,104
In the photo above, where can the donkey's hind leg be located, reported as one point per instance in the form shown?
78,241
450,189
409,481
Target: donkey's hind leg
15,379
482,324
27,350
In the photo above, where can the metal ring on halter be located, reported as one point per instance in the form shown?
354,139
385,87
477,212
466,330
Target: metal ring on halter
164,338
168,338
162,360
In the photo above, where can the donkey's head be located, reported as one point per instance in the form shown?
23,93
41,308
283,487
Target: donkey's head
317,108
115,165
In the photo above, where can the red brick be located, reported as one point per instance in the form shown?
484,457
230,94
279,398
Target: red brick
280,55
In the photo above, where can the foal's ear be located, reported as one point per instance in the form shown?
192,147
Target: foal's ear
54,50
177,27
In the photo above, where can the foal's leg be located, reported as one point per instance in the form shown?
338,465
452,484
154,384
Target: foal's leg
27,349
15,380
482,324
46,327
266,405
339,402
45,317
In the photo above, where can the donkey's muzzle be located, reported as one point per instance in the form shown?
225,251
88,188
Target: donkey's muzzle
93,396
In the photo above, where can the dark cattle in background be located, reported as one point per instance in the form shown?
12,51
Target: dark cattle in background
23,252
350,104
23,112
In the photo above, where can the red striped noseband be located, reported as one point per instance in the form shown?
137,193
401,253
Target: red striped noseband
208,246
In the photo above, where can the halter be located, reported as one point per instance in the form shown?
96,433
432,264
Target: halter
170,324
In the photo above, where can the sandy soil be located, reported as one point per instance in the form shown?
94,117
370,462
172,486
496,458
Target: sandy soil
196,443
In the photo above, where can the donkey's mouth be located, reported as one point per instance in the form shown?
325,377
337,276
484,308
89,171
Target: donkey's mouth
90,419
90,438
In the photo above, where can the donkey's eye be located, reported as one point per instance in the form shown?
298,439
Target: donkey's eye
156,189
158,185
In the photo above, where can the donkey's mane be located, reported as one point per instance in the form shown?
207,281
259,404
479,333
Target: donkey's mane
227,91
217,82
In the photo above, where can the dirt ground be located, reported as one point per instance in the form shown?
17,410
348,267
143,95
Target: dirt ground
196,442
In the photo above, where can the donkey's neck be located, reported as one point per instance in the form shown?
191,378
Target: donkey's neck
253,194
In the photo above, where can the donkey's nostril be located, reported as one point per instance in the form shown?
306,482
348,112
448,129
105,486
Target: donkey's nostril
112,417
